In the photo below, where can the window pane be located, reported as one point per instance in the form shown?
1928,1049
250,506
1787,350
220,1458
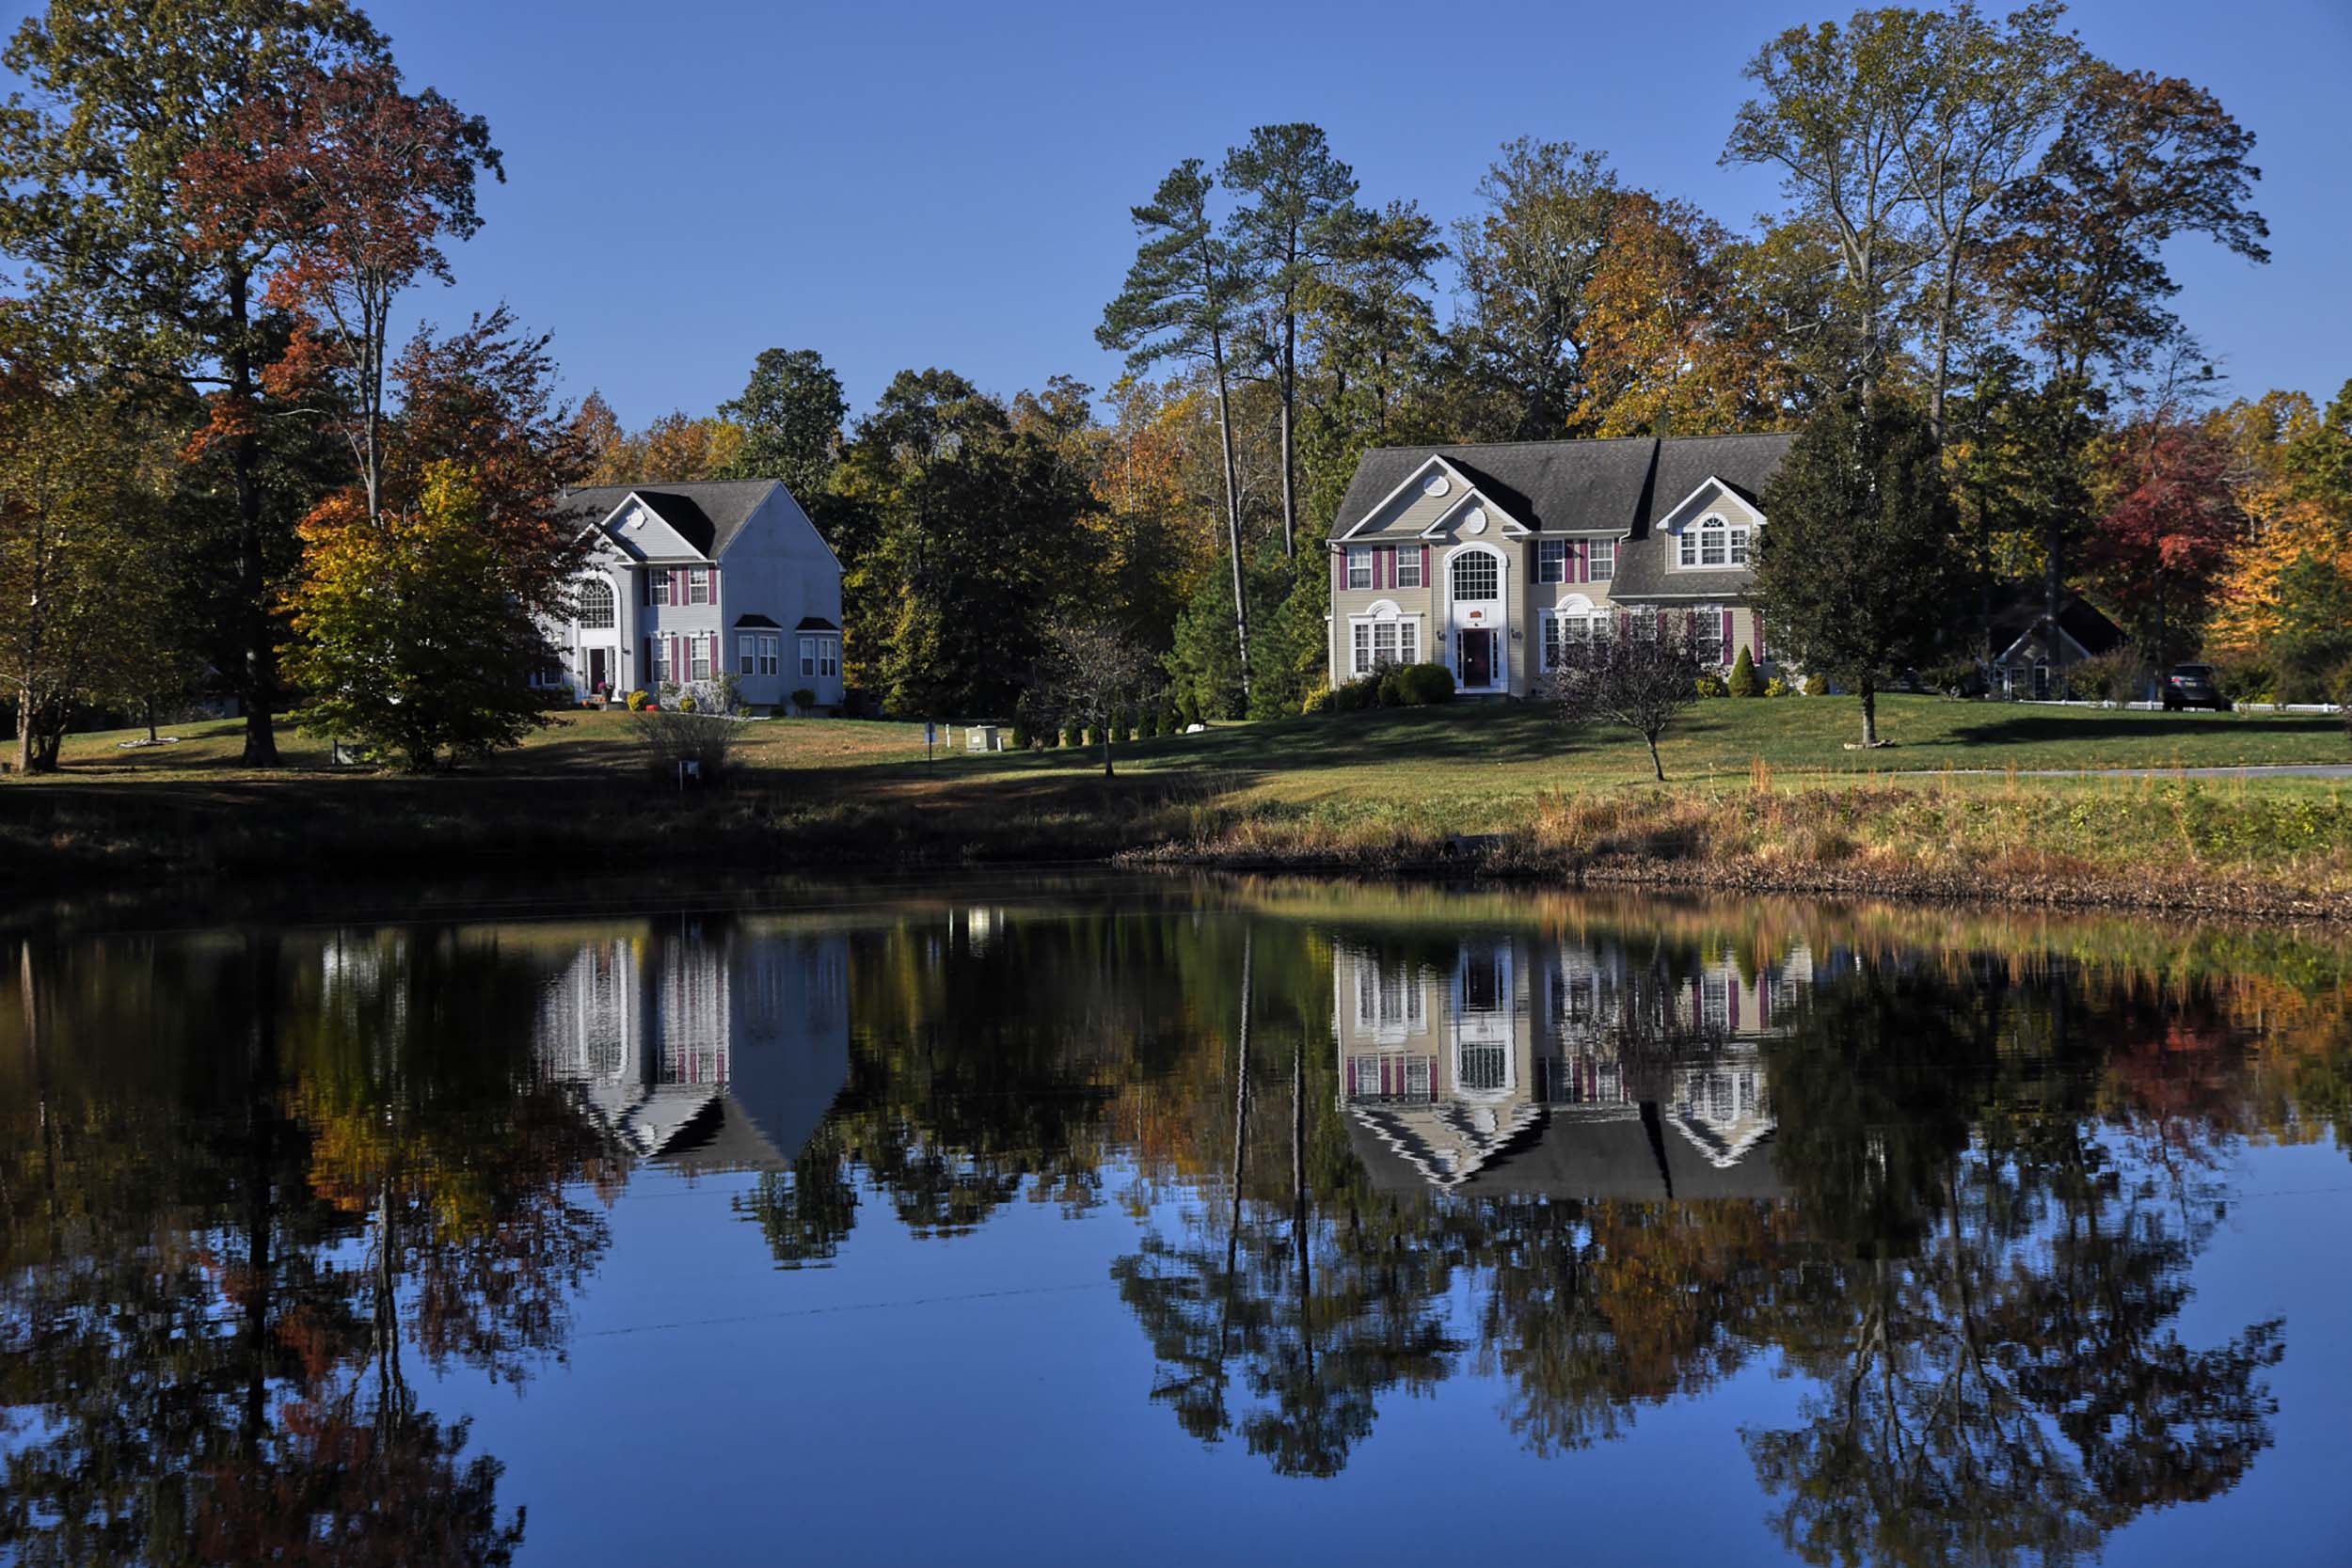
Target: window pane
1359,568
746,655
1690,548
1477,576
1739,546
808,656
1551,561
1551,641
1408,641
1604,559
1362,647
1408,566
596,605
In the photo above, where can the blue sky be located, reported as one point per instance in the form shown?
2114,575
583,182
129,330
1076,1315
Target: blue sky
948,184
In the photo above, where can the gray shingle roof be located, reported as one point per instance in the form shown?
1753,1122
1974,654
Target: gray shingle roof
1623,487
707,513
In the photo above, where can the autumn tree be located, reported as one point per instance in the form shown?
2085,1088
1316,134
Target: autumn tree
791,412
356,183
1857,570
1526,263
93,203
2160,547
1182,301
409,642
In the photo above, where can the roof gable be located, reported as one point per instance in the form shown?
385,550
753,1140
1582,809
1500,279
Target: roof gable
1456,520
670,521
1434,476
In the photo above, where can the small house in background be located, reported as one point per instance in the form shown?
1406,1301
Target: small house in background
2028,660
687,583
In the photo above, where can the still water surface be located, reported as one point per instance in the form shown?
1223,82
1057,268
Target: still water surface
1096,1220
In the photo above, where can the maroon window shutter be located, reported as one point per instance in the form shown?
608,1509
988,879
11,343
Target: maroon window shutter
1577,552
1728,651
1425,565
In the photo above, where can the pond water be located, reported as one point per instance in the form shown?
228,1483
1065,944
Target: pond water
1102,1219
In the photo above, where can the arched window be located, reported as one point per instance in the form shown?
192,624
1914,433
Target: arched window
1713,541
1477,576
596,605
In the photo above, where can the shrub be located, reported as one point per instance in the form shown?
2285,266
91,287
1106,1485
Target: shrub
803,699
1361,692
1318,700
667,739
1425,685
1709,684
1390,689
638,699
2117,675
1073,735
1776,688
1020,732
1743,681
687,704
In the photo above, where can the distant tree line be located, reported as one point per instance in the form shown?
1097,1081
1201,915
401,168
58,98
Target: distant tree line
210,215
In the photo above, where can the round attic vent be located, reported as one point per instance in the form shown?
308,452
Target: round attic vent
1474,520
1436,485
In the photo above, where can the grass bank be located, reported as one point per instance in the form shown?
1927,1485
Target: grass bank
1764,797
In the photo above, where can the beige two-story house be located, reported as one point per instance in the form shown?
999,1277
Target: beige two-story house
1490,559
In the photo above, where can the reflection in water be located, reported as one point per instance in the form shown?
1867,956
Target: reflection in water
266,1194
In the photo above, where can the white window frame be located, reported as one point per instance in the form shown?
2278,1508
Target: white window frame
1453,579
1600,568
663,674
658,577
698,659
1364,652
1719,531
1360,565
746,653
1706,633
772,653
1409,561
1552,559
599,607
698,585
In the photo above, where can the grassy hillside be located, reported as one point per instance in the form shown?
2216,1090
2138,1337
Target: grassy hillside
1761,793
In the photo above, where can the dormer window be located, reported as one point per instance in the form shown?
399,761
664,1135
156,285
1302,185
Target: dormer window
1714,541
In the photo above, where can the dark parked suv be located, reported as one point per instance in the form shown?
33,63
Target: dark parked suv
2193,686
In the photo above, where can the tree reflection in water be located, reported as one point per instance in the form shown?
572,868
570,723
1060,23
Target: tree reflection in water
1606,1156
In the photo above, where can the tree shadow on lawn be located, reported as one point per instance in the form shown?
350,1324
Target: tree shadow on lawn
2050,728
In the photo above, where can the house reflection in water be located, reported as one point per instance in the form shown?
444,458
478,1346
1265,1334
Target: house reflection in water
1530,1067
708,1047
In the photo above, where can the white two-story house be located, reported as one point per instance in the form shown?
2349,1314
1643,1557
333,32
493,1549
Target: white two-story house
1490,560
684,583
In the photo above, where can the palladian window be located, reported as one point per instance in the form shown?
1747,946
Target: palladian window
1477,576
596,605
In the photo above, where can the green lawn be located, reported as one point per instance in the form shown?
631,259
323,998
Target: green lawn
1488,748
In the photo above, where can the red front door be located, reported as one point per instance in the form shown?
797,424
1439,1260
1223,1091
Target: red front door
1478,658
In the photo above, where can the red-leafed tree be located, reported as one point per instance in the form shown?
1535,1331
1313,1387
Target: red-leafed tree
485,398
358,182
2164,541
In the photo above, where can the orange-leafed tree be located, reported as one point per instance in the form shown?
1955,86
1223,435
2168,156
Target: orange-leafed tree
358,182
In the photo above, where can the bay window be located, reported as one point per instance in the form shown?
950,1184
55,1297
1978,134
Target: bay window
820,656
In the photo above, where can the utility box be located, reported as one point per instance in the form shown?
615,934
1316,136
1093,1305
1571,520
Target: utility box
983,738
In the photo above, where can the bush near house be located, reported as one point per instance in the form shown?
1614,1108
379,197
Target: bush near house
1425,685
1743,681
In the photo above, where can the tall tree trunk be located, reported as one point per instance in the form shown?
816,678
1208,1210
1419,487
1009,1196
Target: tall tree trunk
1870,712
1299,1198
1241,1140
1290,425
257,683
1233,510
1106,749
24,727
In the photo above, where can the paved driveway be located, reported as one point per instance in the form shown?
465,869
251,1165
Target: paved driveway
2259,771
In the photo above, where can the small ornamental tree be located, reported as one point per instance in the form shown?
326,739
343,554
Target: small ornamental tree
1856,568
408,641
1092,674
1641,682
1743,681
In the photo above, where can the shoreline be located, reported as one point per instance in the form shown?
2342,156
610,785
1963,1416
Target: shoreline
2179,850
